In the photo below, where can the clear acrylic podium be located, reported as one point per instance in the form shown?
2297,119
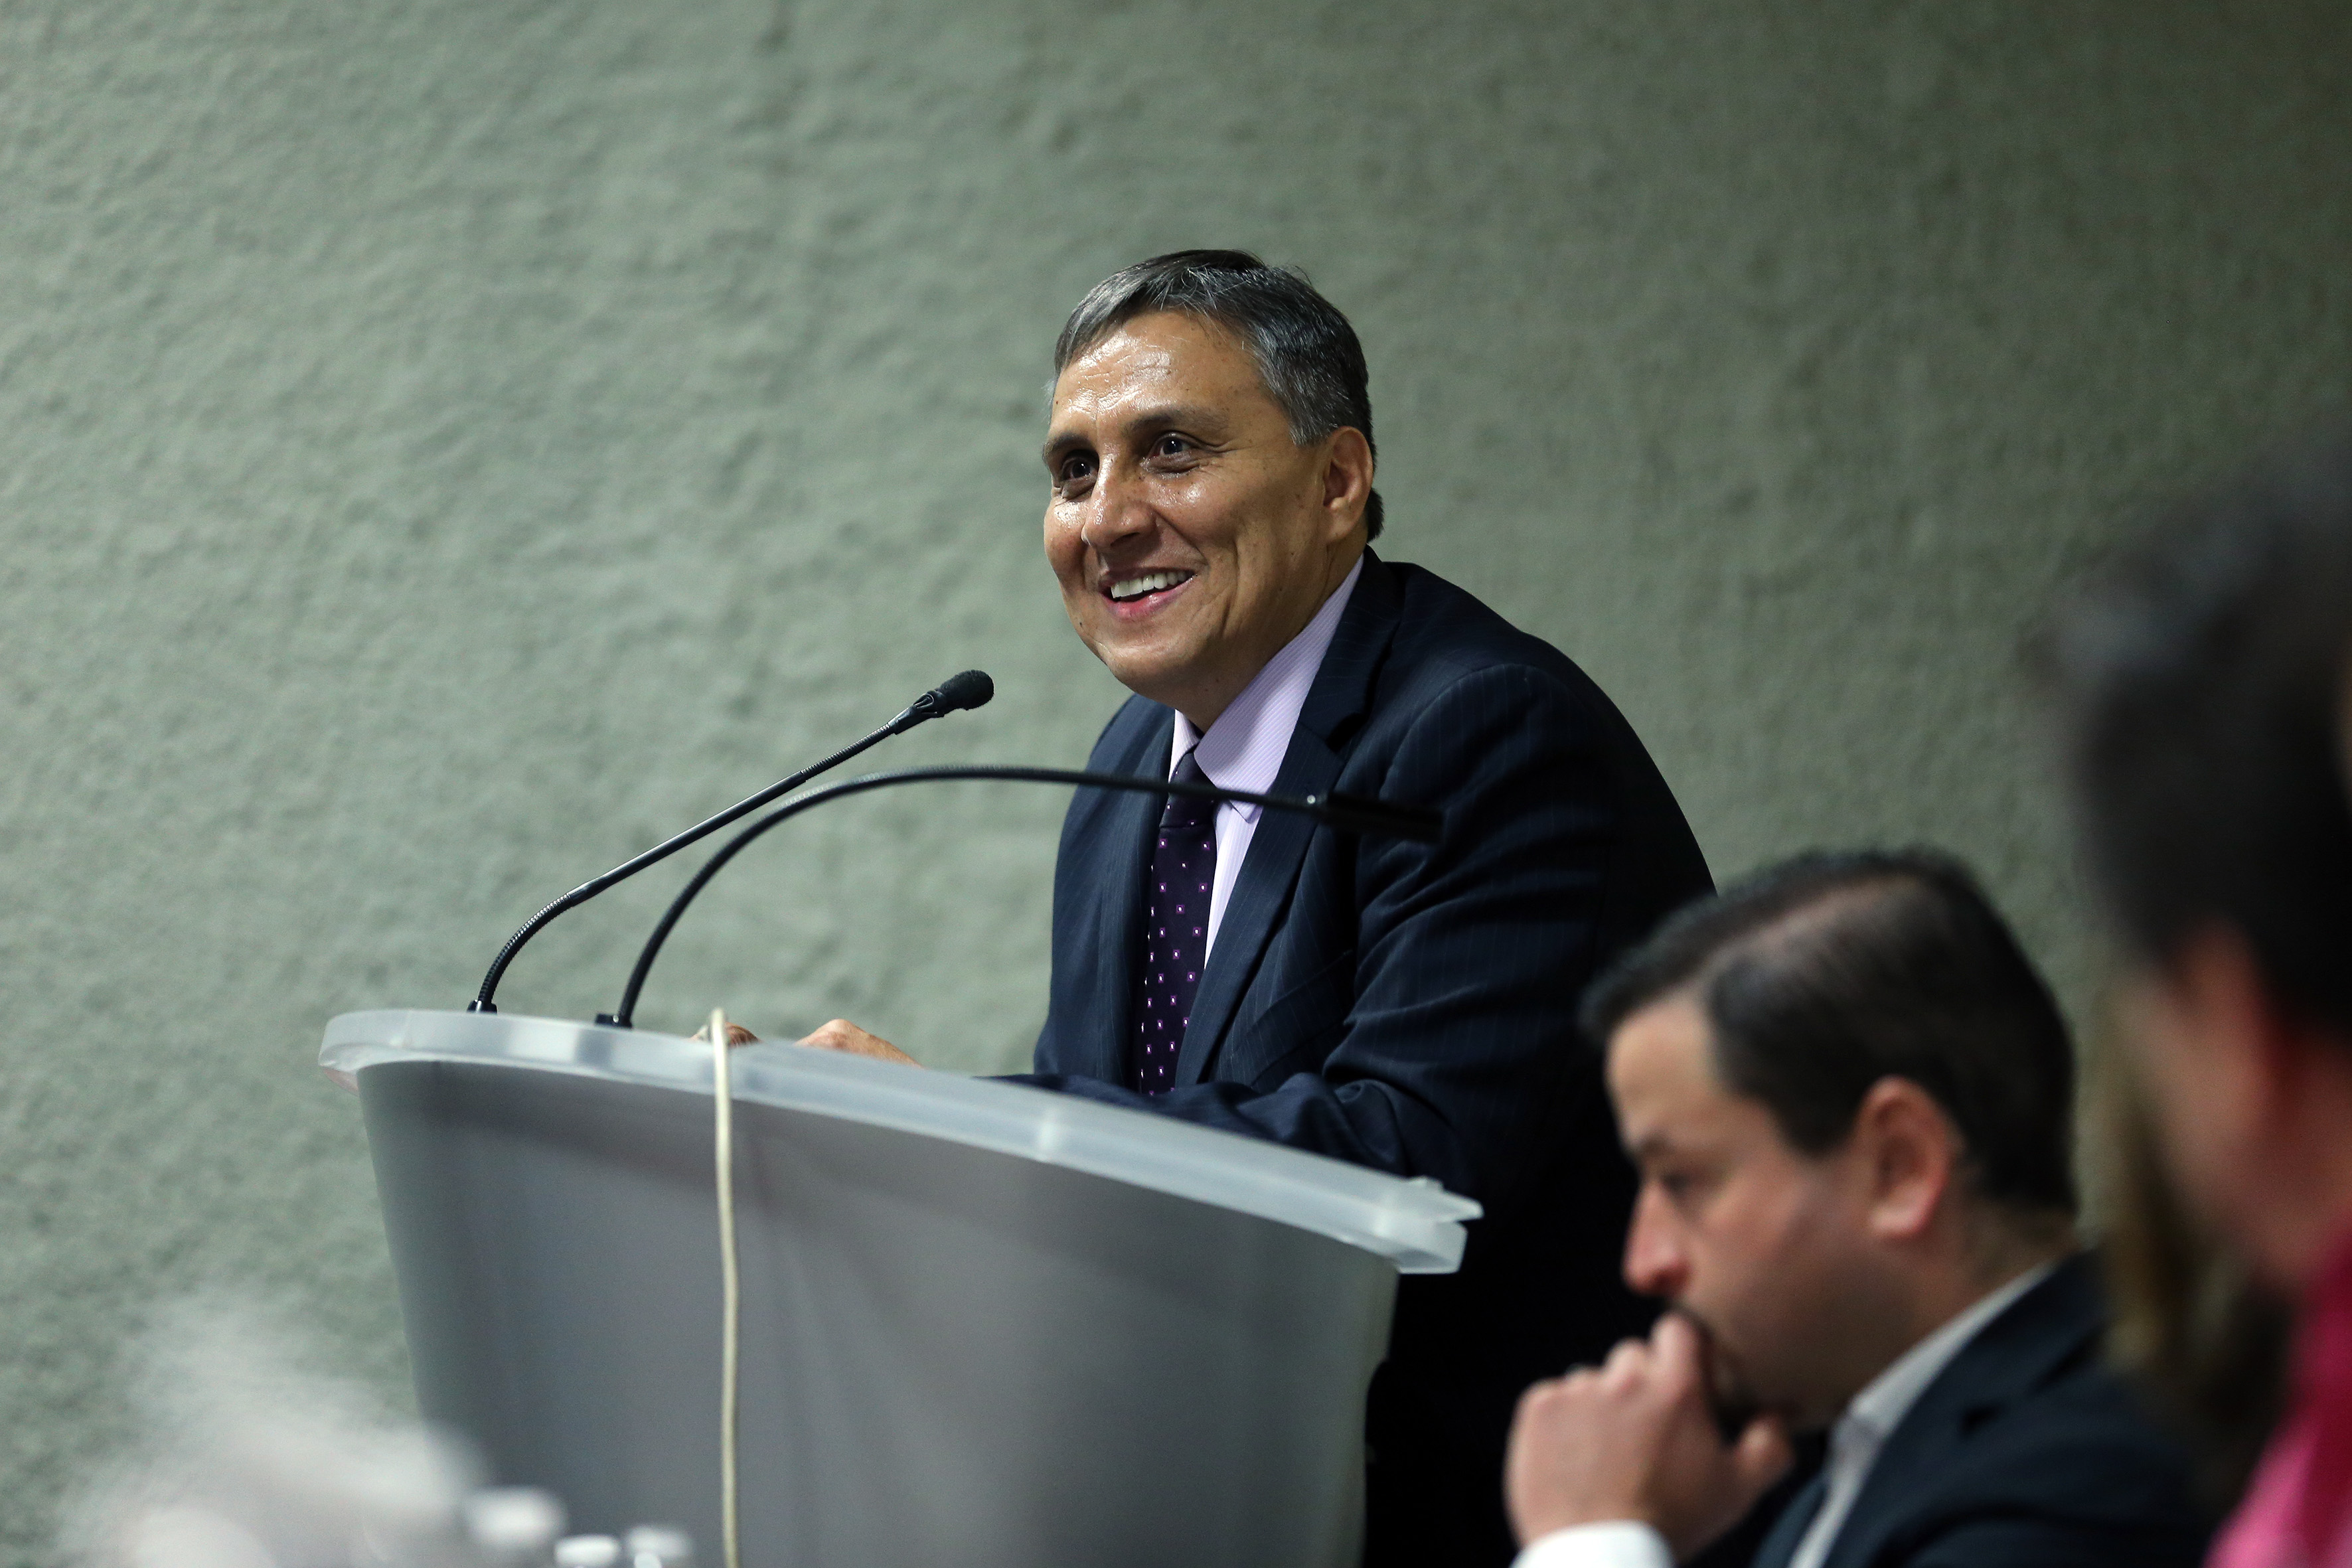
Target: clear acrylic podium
984,1324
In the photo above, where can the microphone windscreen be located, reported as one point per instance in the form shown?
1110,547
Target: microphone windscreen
972,689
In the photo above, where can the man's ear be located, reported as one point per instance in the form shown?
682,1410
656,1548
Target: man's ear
1347,478
1910,1154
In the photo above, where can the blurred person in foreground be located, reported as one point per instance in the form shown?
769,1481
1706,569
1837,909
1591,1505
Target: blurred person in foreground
1850,1099
2204,678
2192,1325
1209,516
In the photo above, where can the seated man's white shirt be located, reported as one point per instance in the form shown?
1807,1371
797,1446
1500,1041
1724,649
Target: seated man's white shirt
1243,748
1616,1544
1854,1442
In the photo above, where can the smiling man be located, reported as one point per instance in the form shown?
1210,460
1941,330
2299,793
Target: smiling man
1403,1006
1851,1101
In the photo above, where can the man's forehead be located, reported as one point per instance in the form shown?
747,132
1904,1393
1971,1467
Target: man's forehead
1661,1071
1113,365
1156,362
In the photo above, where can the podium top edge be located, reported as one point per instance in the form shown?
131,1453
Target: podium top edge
1415,1225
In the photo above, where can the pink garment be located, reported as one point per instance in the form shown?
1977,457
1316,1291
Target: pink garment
2298,1511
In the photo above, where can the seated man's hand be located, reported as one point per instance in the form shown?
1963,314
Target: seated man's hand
847,1037
736,1035
1636,1439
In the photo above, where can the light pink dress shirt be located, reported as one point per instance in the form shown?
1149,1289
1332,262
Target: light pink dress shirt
1244,748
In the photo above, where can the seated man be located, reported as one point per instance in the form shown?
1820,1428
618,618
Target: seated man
1850,1099
1407,1007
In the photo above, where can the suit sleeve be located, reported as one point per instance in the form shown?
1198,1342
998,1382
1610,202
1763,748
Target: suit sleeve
1455,1048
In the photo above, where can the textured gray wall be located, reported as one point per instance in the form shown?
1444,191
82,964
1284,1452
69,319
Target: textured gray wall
444,445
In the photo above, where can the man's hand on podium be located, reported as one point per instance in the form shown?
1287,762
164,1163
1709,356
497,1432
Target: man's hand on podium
847,1037
840,1035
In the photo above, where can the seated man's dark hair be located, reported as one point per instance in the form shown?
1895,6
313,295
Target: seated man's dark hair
1306,353
1824,974
2200,680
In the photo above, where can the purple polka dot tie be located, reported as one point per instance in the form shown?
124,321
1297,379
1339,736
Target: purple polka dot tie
1175,932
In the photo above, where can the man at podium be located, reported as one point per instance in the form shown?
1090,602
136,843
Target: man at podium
1404,1006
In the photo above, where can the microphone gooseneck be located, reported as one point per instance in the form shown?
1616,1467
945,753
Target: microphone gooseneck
972,688
1359,814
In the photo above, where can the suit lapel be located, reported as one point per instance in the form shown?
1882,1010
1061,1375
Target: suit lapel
1788,1532
1110,916
2010,1357
1275,851
1340,694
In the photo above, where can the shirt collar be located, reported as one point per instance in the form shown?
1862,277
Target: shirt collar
1880,1407
1244,748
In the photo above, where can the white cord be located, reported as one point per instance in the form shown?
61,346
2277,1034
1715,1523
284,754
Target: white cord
730,1288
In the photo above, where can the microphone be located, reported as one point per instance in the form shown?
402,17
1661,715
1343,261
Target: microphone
972,689
1360,815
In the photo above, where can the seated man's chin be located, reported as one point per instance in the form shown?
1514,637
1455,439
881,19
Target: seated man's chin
1733,1398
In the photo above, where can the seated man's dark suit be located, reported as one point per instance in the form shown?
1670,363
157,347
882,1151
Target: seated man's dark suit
1411,1007
2026,1452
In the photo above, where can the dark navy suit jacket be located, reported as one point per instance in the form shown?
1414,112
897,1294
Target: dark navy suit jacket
1412,1007
2026,1452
